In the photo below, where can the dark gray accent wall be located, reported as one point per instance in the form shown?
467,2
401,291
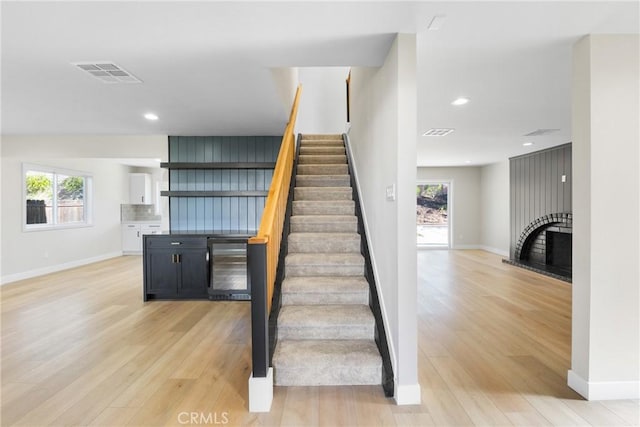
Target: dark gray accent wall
227,213
537,189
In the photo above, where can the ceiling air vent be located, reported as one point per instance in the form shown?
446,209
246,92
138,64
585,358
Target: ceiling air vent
107,72
541,132
437,132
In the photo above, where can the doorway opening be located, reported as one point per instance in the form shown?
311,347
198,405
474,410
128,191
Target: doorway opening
432,214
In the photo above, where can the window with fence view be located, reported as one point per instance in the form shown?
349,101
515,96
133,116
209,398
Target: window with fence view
432,214
55,197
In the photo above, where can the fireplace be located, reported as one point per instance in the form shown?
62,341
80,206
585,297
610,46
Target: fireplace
545,246
558,253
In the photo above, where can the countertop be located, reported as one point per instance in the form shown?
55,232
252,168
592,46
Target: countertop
150,222
209,233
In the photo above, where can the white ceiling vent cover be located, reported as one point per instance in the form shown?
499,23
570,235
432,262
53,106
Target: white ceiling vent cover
437,132
541,132
107,72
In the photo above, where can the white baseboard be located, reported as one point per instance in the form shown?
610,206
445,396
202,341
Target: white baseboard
55,268
495,251
463,247
261,393
374,267
482,247
408,394
603,390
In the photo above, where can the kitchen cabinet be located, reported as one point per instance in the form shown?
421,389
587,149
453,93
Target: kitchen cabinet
140,189
175,267
132,236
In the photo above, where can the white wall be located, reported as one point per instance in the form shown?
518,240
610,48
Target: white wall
494,208
479,204
383,142
323,103
605,360
28,254
464,203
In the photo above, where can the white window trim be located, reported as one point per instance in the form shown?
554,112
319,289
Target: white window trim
88,198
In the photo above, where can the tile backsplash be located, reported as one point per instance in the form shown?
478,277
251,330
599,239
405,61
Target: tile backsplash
138,213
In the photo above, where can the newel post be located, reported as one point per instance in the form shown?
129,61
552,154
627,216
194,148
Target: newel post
261,380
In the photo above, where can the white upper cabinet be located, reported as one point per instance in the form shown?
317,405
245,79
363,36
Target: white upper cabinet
140,189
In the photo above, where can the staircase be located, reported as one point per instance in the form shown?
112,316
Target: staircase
325,326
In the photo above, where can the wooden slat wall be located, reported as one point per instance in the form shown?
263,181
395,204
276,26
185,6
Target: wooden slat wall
537,189
225,214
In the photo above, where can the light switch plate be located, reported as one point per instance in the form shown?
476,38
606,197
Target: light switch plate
391,192
564,178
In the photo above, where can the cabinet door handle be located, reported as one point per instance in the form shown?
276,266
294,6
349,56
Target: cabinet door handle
178,258
175,243
138,234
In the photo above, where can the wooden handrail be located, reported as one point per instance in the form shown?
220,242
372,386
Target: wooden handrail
263,249
271,224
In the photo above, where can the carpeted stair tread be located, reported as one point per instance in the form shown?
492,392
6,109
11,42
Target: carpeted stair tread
326,329
324,242
327,362
342,321
322,149
323,181
329,207
324,264
316,290
322,193
322,169
322,137
324,223
323,159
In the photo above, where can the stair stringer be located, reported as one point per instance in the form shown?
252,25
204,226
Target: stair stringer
276,302
376,303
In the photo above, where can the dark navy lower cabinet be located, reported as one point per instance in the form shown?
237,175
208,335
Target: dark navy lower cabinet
175,267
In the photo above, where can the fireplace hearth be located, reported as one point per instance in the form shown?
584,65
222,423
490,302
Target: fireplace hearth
545,246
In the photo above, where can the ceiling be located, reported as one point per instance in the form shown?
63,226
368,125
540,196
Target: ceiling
205,66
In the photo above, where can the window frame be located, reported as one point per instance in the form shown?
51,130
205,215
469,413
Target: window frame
55,171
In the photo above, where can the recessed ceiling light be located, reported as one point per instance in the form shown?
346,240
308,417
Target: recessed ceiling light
437,132
460,101
151,116
528,144
467,161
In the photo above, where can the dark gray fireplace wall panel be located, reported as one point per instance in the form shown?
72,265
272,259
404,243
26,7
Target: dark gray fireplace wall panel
537,187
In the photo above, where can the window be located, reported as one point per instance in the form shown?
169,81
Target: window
432,215
55,198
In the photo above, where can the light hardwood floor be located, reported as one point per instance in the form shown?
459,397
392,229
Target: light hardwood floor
81,348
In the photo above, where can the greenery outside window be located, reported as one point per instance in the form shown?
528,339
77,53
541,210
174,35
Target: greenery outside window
55,198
